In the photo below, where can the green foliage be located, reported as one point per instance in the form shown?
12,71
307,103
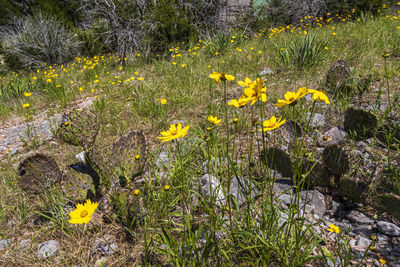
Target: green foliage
302,53
8,12
359,6
172,24
91,44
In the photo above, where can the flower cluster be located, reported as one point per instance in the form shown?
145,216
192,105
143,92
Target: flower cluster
253,91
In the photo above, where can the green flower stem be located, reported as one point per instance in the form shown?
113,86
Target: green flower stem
388,110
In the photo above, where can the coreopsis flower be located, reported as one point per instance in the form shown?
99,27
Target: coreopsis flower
214,120
221,77
272,124
247,82
174,132
333,228
26,105
83,213
238,103
319,96
163,101
256,91
291,97
27,94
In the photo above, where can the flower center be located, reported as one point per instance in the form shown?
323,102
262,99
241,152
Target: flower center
83,213
174,132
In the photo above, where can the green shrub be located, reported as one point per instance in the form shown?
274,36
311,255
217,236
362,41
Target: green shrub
360,6
91,44
171,24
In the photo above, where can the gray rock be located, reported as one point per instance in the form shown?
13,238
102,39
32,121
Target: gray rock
316,201
53,143
11,223
317,120
359,244
334,136
212,188
24,244
266,71
364,230
102,262
14,151
242,188
337,263
4,243
105,246
388,228
163,160
282,186
283,201
216,164
359,217
80,157
47,249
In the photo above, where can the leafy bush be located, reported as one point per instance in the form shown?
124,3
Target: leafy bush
302,53
359,6
285,12
38,39
171,23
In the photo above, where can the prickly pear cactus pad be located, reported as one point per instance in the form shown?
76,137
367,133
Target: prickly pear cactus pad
277,159
128,154
336,159
37,173
360,124
77,186
336,75
78,128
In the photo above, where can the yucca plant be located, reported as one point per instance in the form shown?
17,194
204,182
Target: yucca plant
303,53
221,43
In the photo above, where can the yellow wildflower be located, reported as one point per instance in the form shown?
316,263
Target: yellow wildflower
291,97
382,261
214,120
319,96
83,213
333,228
163,101
174,132
272,124
242,101
253,93
27,94
26,105
221,77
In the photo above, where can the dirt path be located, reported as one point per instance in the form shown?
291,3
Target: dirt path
16,132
